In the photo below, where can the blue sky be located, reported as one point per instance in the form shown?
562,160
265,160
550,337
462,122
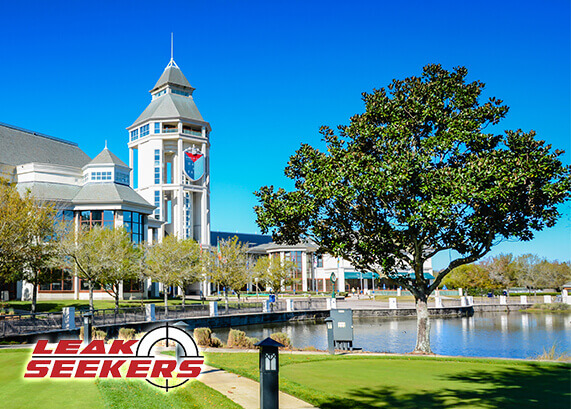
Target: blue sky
268,74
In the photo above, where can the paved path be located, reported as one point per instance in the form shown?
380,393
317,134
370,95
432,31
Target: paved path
245,392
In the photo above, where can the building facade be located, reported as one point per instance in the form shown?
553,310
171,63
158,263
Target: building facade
85,191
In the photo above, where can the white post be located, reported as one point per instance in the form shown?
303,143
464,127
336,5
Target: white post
523,299
470,300
393,303
460,292
565,297
289,305
213,308
68,318
463,302
503,300
438,302
149,312
547,299
399,292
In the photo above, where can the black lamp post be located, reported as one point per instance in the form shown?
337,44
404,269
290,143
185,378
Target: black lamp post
269,373
87,324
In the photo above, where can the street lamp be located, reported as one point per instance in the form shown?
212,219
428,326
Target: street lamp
269,373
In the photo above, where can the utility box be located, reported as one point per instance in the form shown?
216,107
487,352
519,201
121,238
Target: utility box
342,328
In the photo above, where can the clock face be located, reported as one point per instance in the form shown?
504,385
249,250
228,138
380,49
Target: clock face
333,277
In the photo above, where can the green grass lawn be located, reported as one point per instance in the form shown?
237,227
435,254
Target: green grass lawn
17,392
57,305
412,382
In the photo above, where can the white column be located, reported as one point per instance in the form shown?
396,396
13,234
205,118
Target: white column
178,163
180,212
303,271
68,318
393,303
131,163
205,230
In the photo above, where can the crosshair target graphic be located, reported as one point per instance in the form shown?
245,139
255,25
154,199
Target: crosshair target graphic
185,348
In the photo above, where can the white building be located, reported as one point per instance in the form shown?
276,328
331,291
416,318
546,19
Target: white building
169,154
314,270
86,192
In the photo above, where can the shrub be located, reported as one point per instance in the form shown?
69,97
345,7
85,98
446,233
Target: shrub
100,335
95,333
216,343
126,333
203,336
238,339
282,338
310,348
552,355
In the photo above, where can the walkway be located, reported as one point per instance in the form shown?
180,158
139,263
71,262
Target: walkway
245,392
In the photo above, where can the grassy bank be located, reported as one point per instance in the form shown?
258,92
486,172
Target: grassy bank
554,307
16,392
57,305
412,382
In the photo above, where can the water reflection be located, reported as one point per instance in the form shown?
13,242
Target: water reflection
513,335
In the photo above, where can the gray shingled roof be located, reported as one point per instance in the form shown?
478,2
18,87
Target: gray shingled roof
107,157
172,75
50,191
170,106
111,193
20,146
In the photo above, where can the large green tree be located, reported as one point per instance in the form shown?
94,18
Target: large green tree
101,256
274,273
228,266
419,172
119,261
174,262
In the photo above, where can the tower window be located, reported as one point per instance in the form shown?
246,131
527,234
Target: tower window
157,127
134,135
144,130
157,166
157,204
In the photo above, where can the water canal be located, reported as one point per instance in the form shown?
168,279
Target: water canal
503,335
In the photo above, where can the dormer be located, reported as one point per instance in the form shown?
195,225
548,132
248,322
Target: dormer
106,168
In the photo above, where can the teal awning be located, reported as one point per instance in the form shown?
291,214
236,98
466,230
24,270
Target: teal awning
356,275
413,276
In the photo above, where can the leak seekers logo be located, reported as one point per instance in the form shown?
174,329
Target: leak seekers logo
120,359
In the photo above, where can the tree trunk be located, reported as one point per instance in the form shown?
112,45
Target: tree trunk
142,293
91,308
183,294
422,326
34,294
117,300
166,300
226,299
